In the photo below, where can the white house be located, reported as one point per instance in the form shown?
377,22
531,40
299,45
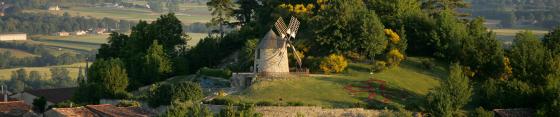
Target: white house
13,37
79,33
54,8
62,34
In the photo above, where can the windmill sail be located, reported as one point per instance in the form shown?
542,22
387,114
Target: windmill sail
294,27
281,27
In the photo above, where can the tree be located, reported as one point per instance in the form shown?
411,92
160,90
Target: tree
221,10
453,94
40,104
244,13
528,59
481,51
18,80
107,79
436,6
340,29
156,64
61,78
166,94
552,41
188,109
450,33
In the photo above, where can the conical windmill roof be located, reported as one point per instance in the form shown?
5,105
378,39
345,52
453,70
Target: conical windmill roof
271,41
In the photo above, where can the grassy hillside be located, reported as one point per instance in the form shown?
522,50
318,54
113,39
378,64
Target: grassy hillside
5,74
404,86
17,53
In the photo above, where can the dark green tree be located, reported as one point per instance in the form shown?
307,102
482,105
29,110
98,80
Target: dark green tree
222,10
244,14
40,104
156,65
18,79
106,79
529,58
348,26
451,32
453,94
552,41
481,51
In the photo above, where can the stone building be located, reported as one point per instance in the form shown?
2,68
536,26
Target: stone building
271,56
13,37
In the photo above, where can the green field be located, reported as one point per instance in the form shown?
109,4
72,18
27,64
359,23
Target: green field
90,42
5,74
509,34
17,53
191,13
405,85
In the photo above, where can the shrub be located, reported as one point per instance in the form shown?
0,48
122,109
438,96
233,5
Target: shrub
265,103
166,93
333,64
222,101
480,112
428,63
357,57
296,104
313,64
222,73
395,57
399,113
128,103
379,66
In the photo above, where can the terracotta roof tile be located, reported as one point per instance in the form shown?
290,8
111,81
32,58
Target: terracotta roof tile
6,107
54,95
108,110
75,112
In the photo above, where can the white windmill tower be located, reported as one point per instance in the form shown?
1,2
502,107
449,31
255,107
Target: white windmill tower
271,55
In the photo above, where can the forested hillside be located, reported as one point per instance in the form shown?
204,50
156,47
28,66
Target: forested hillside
540,13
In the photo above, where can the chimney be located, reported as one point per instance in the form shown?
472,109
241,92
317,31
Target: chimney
5,94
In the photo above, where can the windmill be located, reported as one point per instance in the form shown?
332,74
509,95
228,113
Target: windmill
287,33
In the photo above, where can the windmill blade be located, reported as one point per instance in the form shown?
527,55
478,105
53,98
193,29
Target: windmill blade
298,59
281,27
293,27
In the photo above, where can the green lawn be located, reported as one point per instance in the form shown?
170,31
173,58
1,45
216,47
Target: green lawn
405,85
5,74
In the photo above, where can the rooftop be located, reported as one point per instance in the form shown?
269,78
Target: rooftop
271,41
54,95
6,107
113,111
75,112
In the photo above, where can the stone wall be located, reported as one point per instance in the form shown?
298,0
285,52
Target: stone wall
273,61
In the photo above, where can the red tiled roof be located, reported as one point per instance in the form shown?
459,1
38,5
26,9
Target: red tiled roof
54,95
75,112
107,110
6,107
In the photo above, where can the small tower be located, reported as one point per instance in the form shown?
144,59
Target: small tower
271,56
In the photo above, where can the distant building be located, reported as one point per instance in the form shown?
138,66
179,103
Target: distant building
103,110
54,8
100,31
13,37
53,96
79,33
62,34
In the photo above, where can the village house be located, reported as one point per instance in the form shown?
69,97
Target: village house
79,33
62,34
53,96
54,8
102,110
100,31
13,37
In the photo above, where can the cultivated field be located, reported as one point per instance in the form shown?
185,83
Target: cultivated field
404,86
5,74
190,13
17,53
91,42
509,34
